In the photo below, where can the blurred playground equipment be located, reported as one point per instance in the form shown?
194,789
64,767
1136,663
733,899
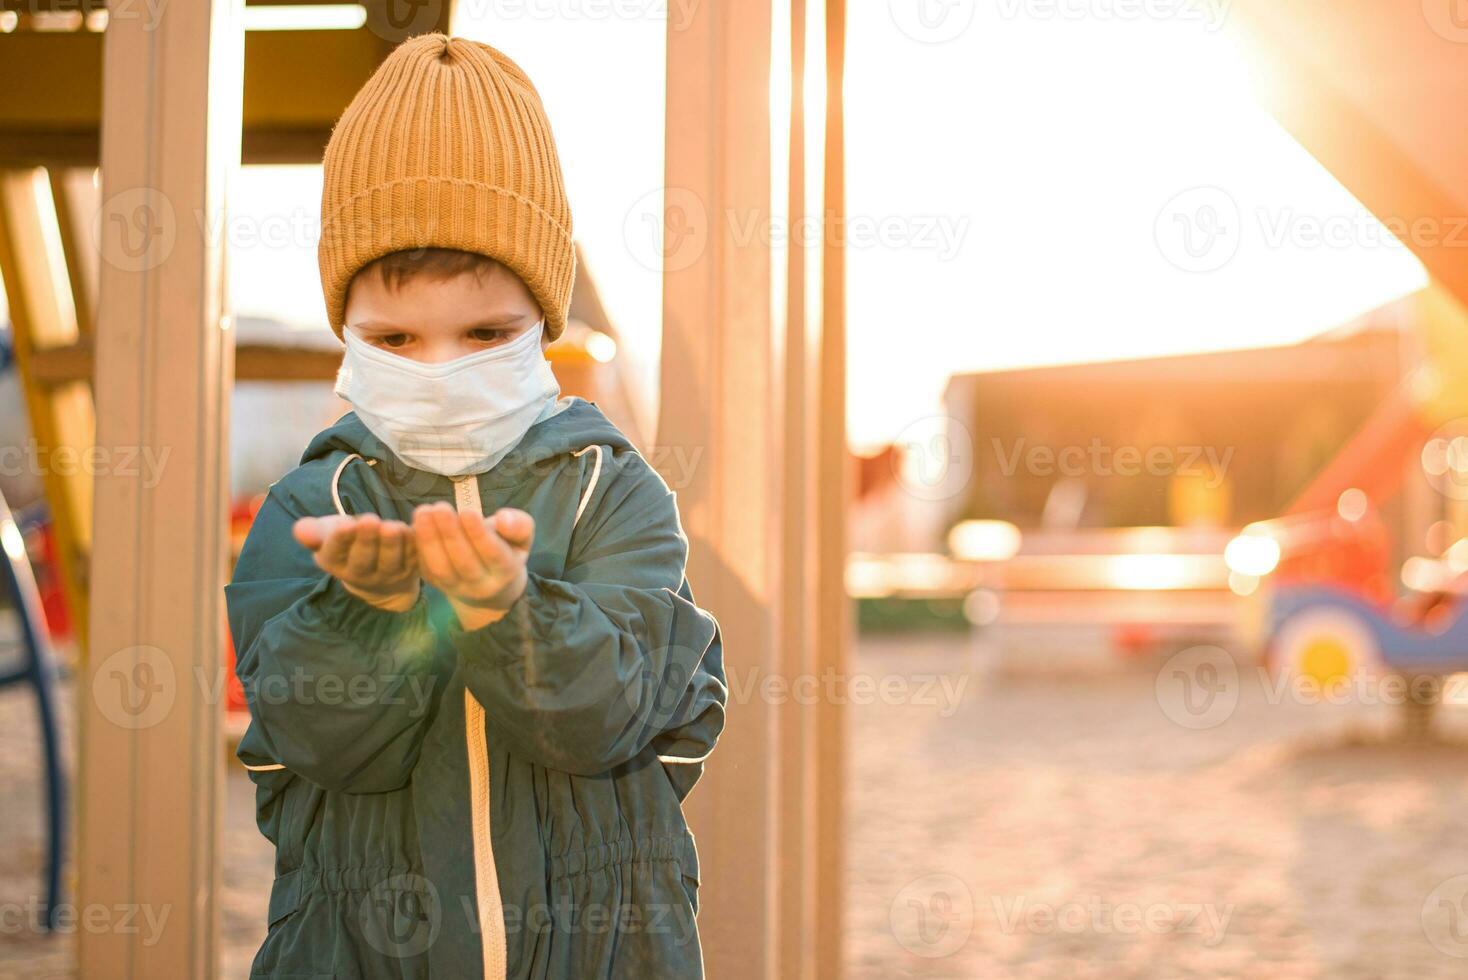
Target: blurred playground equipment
37,669
1329,593
114,174
1138,590
1125,481
1327,571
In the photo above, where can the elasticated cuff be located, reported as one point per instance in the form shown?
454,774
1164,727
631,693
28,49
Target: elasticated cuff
330,607
531,621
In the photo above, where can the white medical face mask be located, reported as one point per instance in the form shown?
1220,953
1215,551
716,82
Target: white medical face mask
456,417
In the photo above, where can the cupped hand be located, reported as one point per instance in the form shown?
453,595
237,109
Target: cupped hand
477,562
374,559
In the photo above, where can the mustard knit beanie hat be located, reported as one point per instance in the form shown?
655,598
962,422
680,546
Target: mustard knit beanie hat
447,146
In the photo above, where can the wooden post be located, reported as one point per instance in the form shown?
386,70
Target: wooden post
753,388
719,399
797,762
833,617
151,750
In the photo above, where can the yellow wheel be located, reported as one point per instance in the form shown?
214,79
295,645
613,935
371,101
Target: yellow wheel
1327,650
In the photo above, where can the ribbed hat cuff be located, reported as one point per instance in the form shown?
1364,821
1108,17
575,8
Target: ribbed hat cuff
446,212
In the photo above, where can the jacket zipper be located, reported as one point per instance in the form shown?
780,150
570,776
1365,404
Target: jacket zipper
486,880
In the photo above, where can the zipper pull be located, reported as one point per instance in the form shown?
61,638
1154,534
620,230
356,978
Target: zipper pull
466,494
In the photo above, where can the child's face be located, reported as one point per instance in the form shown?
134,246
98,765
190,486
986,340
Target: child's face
434,320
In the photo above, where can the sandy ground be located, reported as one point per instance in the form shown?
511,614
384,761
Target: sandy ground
28,954
1027,825
1072,827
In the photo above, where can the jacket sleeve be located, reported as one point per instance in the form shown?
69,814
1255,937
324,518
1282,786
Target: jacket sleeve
699,719
340,692
586,670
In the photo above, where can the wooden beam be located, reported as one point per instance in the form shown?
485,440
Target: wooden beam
1348,142
63,365
720,392
74,190
253,362
42,146
151,745
52,81
296,85
61,415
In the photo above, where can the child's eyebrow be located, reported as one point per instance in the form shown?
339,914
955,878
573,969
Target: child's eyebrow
379,326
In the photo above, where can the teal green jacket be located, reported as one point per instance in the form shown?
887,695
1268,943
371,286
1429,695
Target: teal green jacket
498,803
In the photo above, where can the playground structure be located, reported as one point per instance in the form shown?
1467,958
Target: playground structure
1327,572
1359,86
1353,87
121,123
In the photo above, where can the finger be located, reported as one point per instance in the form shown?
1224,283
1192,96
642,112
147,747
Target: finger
491,548
515,526
312,532
366,545
396,552
307,531
332,555
467,564
429,542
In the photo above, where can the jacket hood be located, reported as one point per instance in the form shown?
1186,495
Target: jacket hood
577,424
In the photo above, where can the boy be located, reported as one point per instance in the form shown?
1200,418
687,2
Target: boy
479,686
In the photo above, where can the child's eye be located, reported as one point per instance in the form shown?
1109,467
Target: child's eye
486,335
392,340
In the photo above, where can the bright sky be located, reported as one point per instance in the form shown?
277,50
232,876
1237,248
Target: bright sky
1026,189
1054,148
